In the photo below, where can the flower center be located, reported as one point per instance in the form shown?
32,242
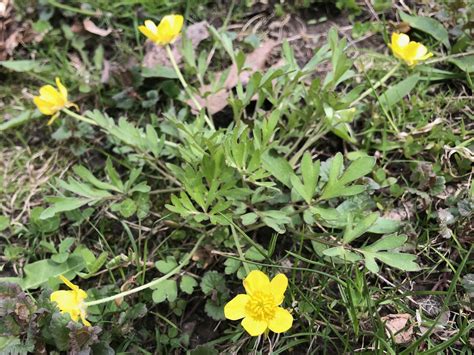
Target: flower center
261,306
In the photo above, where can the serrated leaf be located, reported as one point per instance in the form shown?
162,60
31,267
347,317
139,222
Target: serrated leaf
212,280
167,290
165,266
187,284
127,208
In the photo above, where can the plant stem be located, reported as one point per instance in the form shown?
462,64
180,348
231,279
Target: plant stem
186,86
151,283
79,117
73,9
239,249
376,85
451,56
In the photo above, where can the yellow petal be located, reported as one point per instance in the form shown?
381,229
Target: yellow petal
278,287
426,56
281,322
66,302
415,50
84,320
256,281
45,107
235,309
53,118
150,26
169,28
62,89
68,283
51,95
400,40
147,33
254,327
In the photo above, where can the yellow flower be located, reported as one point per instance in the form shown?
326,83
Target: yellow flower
259,308
71,302
166,32
52,100
409,51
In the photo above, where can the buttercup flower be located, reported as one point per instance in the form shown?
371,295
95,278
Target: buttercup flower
52,100
71,302
259,308
166,32
409,51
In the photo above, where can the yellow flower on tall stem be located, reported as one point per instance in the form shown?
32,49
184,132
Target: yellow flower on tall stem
51,100
166,32
409,51
259,307
72,301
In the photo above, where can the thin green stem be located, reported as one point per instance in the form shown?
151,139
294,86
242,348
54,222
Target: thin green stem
79,117
73,9
151,283
447,57
239,249
186,86
376,85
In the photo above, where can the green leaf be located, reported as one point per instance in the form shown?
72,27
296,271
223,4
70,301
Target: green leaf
278,167
357,169
127,208
66,244
16,121
254,254
428,25
402,261
212,280
310,173
387,242
44,225
362,227
249,218
4,223
398,91
465,64
63,204
231,266
165,266
113,175
167,290
159,71
87,176
188,284
214,311
39,272
21,65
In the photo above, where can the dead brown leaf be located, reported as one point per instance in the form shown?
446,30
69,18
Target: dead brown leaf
397,325
156,55
91,27
254,62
